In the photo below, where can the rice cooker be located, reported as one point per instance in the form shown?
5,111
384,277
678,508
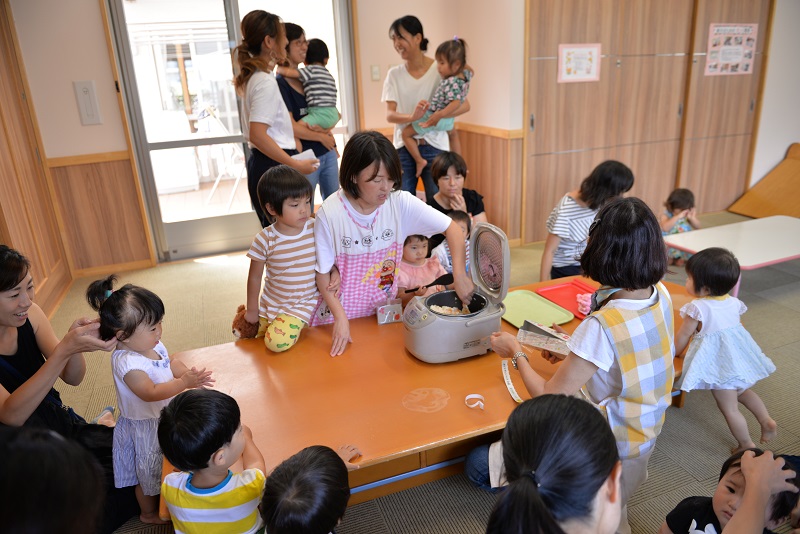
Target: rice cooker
437,337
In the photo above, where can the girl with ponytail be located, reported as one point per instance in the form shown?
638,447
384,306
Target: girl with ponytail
266,123
563,470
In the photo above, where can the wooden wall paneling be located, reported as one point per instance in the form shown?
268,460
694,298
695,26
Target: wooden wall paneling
105,230
720,105
654,167
26,206
553,22
571,116
651,96
654,27
715,169
516,156
550,177
488,163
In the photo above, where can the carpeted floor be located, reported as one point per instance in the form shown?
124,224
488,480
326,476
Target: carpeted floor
201,297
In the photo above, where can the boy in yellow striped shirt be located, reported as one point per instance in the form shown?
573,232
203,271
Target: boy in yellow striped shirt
200,433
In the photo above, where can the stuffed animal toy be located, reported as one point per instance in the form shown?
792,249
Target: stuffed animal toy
241,328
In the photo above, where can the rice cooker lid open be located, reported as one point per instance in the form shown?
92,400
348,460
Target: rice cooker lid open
490,261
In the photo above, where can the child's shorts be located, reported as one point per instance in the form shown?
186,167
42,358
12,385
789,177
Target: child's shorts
324,116
281,334
444,125
136,455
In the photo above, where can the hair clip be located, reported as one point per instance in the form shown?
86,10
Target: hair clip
455,38
532,475
108,293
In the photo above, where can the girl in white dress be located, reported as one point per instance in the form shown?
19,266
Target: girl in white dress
722,356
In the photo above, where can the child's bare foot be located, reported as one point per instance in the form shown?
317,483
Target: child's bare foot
152,519
743,447
769,431
421,163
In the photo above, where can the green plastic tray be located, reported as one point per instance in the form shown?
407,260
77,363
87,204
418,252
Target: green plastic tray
523,304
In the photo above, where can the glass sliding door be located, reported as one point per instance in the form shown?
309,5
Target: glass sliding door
176,66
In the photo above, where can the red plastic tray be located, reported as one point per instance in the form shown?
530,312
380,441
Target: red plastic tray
566,295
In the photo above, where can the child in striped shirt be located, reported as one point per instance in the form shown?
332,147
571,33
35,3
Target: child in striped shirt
284,251
200,433
318,85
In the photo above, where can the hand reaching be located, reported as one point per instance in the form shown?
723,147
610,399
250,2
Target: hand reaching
504,344
197,379
419,111
84,336
348,453
767,473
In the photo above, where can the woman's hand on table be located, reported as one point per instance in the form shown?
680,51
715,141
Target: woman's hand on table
348,453
504,344
341,336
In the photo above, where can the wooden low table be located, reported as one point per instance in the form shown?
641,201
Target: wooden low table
408,417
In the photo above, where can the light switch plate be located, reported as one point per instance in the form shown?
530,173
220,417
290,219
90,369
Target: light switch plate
88,106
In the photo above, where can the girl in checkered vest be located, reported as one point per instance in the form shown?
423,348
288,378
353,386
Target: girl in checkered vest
621,354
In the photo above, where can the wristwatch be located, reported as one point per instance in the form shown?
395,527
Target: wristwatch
518,354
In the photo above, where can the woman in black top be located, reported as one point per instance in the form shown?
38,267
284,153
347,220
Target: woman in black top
32,358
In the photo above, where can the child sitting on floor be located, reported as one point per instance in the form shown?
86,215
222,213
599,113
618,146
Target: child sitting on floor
680,216
308,492
201,434
417,271
712,514
442,252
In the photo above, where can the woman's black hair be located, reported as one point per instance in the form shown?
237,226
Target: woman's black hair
558,451
608,180
363,150
317,52
782,503
443,161
679,200
307,493
714,269
412,25
454,52
123,310
13,268
279,184
195,425
293,32
48,483
625,247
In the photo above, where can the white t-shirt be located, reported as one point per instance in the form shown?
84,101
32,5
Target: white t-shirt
264,104
159,371
407,91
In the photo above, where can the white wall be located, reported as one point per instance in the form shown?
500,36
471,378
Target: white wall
779,125
64,42
494,35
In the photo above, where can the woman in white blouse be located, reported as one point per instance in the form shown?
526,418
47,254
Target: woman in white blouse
265,120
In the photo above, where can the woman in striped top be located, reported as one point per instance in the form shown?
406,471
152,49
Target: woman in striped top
568,223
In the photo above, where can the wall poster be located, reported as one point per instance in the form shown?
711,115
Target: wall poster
731,49
578,63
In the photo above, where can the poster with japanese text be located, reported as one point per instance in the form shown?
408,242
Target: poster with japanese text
731,49
578,63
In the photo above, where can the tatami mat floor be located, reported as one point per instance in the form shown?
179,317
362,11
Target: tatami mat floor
201,297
